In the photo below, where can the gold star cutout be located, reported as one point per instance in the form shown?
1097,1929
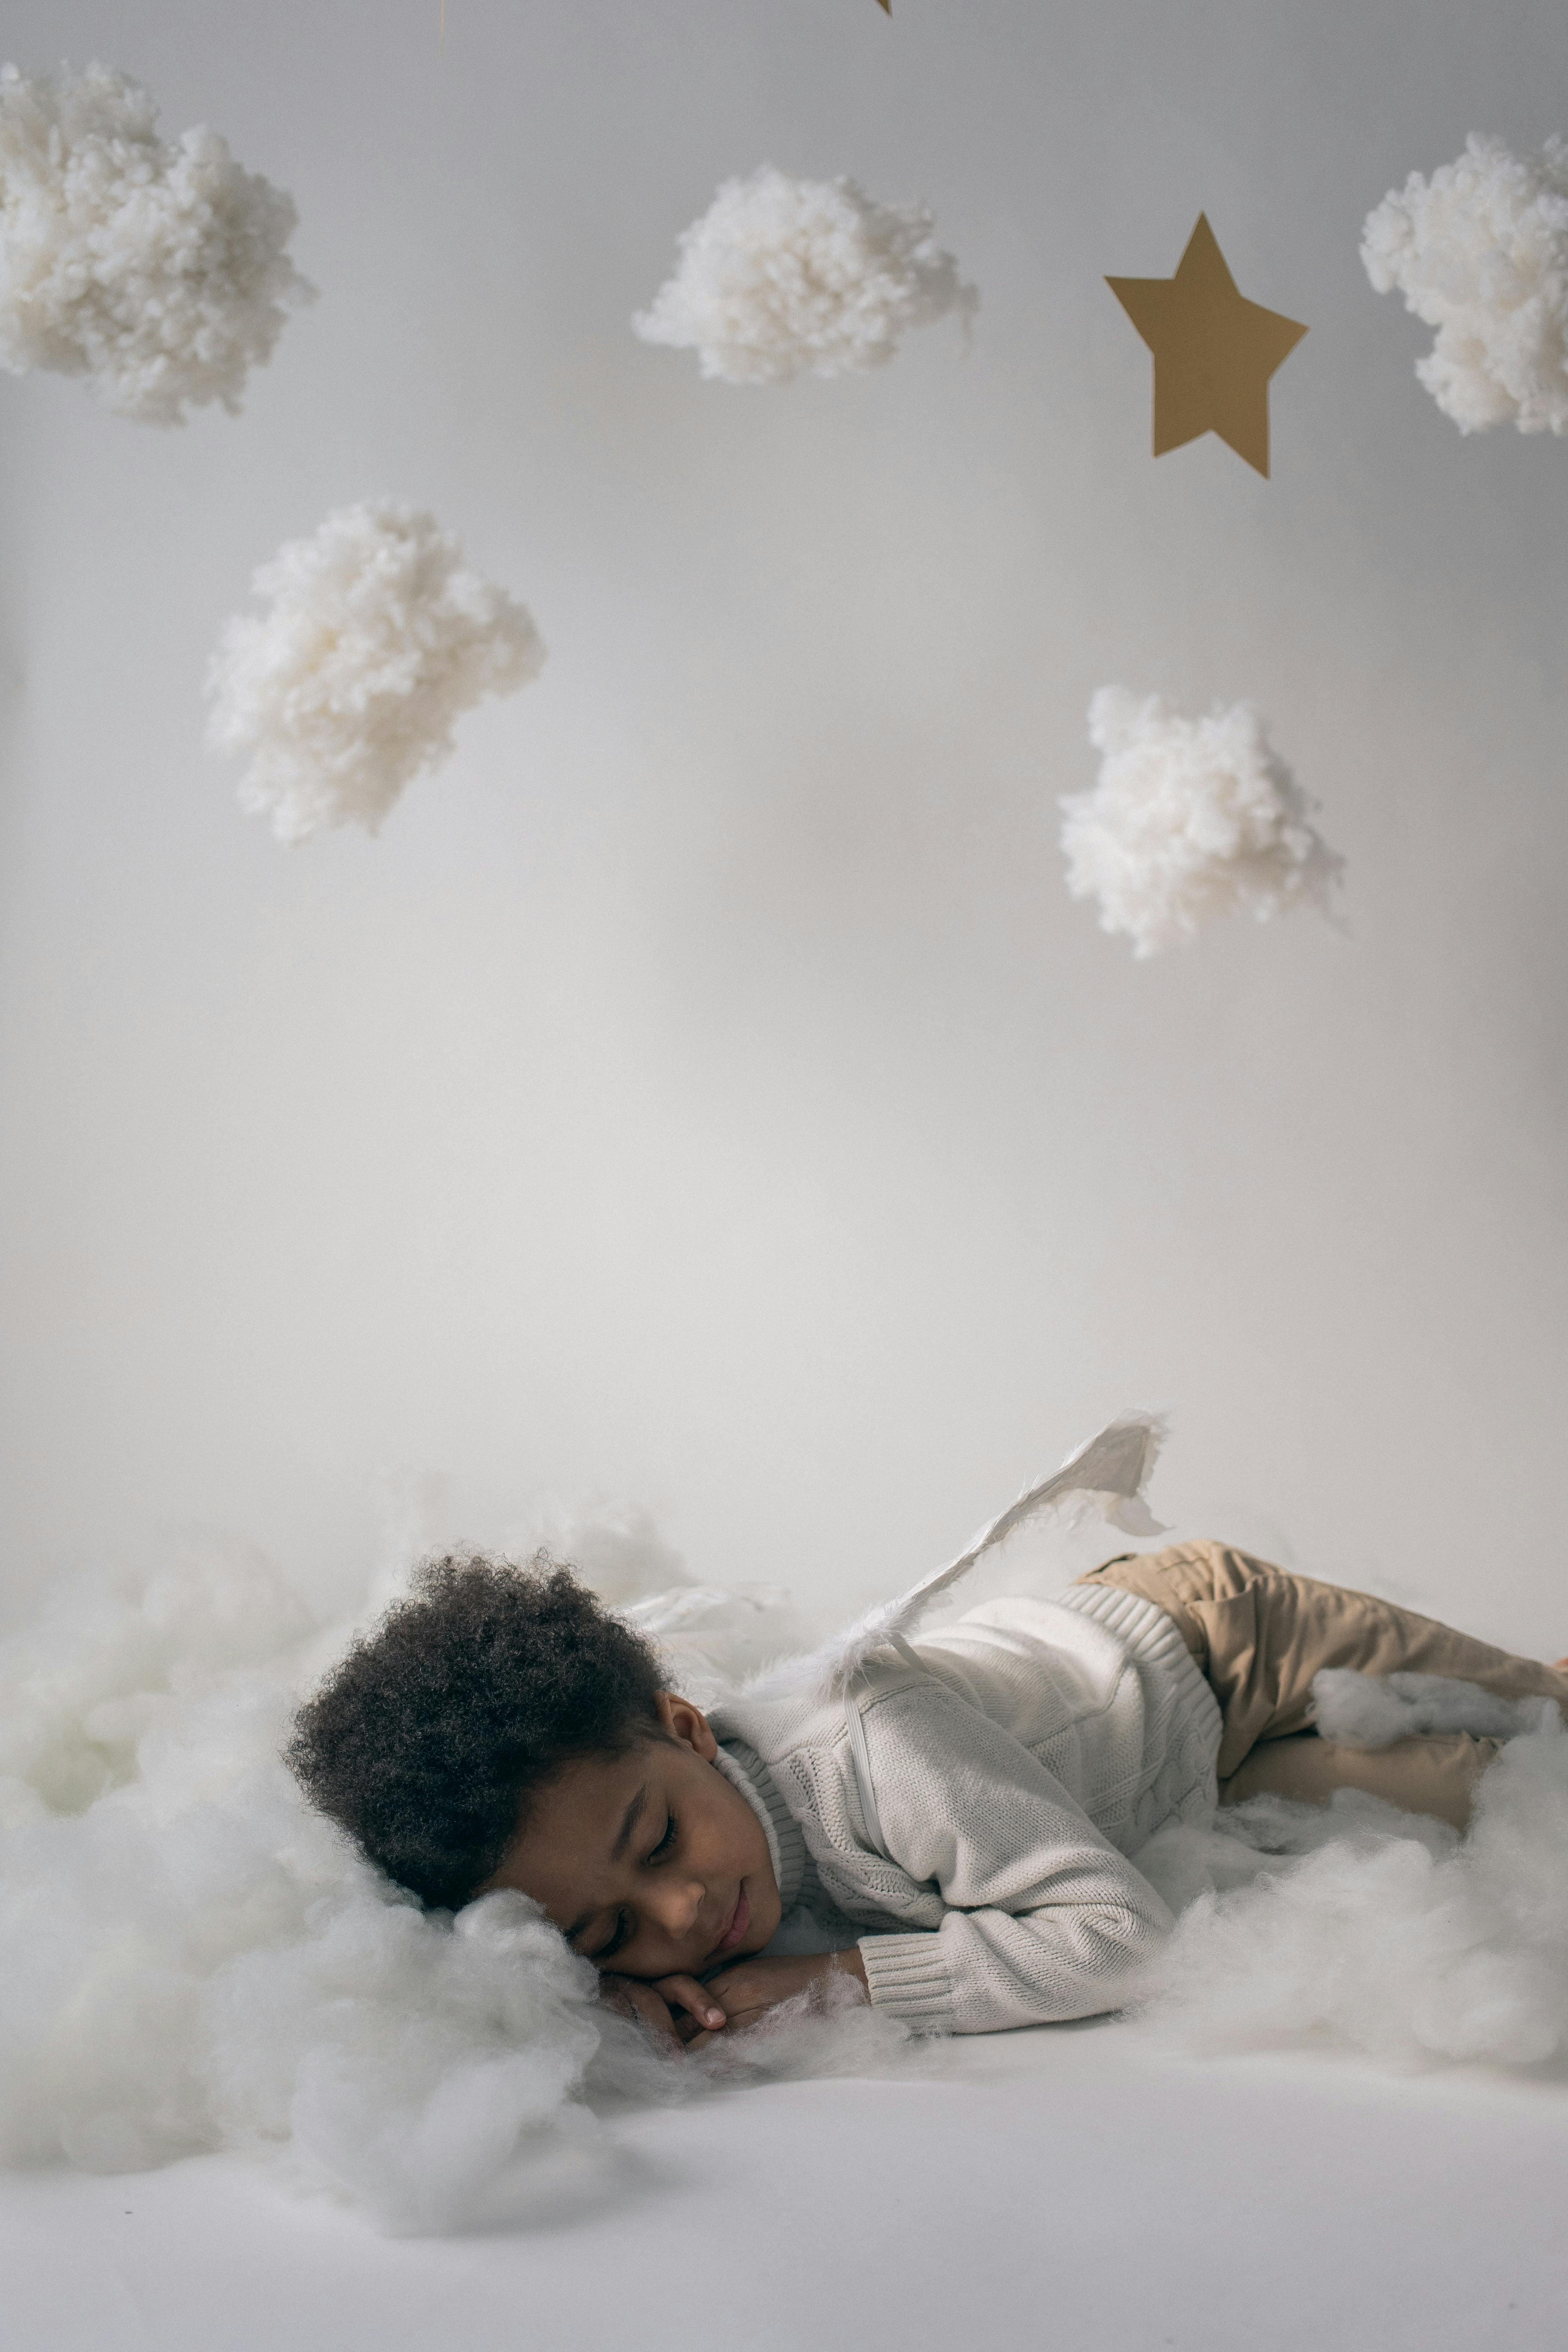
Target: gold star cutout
1213,351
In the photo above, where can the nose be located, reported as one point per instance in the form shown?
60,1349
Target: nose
677,1905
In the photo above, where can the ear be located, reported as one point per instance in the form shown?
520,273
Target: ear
686,1725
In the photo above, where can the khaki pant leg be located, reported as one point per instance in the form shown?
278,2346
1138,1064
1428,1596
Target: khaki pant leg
1419,1775
1259,1634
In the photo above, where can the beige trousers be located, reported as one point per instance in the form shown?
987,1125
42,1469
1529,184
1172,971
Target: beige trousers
1259,1635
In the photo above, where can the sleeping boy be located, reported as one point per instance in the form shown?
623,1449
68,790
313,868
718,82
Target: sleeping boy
956,1824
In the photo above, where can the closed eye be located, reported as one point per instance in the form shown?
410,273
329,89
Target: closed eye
618,1940
666,1842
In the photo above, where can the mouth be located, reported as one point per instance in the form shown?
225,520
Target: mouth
740,1920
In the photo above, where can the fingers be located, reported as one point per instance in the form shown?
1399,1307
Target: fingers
640,2001
700,2002
649,2011
741,2015
676,2008
738,2023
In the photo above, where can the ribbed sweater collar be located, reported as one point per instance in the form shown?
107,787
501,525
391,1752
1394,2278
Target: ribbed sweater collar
745,1769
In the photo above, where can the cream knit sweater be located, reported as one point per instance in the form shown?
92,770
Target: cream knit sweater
971,1808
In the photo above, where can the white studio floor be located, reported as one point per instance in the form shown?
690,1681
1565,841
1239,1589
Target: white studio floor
1074,2187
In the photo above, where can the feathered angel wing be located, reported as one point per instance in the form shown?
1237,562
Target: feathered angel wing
1111,1472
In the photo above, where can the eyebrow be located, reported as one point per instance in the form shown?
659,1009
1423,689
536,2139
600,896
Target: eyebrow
628,1824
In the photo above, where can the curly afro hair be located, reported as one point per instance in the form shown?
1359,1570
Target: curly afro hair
424,1742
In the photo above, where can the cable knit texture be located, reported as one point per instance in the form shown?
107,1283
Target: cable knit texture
1017,1758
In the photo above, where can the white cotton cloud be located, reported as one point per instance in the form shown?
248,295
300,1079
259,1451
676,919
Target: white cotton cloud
158,270
1370,1711
191,1959
783,277
1192,819
1376,1930
375,640
1481,252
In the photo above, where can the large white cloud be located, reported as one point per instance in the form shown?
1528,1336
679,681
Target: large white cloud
375,639
190,1959
784,277
1192,819
159,271
1481,252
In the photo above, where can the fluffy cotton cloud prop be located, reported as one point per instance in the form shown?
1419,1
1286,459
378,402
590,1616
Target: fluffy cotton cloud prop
1192,819
159,271
191,1959
1368,1711
1377,1930
784,277
376,639
1481,252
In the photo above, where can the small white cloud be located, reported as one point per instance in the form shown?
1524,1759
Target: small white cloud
1481,252
376,639
1192,819
784,277
157,270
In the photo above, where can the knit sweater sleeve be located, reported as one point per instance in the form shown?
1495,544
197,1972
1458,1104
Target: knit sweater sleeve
1044,1919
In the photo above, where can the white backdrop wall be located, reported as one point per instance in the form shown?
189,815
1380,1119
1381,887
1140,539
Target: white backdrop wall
705,1091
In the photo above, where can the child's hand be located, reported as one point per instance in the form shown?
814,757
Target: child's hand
752,1987
677,2007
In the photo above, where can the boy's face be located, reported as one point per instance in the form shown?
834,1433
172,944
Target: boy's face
651,1864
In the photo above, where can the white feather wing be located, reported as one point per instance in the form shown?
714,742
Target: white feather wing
1109,1472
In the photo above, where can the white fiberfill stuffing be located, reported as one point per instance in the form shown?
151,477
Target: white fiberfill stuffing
376,639
191,1959
159,271
784,277
1373,1929
1192,819
1366,1711
1481,252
